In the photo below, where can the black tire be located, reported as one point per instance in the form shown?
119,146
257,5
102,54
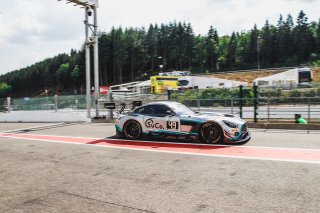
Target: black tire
132,130
211,133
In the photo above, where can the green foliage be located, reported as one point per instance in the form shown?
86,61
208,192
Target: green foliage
295,93
210,94
63,76
4,90
311,93
271,93
224,97
75,74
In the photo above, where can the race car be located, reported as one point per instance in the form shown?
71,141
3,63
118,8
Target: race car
173,120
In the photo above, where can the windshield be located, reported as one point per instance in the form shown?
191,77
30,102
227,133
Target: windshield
181,109
183,83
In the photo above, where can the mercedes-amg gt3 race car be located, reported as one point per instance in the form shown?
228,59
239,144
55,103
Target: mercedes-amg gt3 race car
173,120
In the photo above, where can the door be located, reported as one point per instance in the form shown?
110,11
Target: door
156,120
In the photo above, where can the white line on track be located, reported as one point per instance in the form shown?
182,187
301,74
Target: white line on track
31,127
169,152
163,142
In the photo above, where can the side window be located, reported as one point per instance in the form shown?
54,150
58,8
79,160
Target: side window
142,110
158,110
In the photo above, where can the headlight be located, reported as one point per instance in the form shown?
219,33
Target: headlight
230,124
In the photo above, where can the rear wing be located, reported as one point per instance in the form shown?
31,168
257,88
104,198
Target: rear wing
113,106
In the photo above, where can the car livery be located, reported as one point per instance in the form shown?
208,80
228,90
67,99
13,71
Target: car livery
173,120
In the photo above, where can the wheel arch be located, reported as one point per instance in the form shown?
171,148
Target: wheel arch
219,126
130,120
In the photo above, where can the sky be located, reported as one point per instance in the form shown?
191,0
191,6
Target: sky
33,30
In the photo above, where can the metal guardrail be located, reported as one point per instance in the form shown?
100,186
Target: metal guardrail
73,102
3,105
268,108
49,103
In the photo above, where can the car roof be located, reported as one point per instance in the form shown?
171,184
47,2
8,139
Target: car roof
164,102
171,104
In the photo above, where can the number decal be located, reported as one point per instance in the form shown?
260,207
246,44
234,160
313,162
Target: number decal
172,125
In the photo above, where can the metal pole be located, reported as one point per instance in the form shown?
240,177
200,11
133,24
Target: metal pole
87,48
258,47
309,113
96,62
232,106
240,99
198,105
268,107
9,104
55,103
169,95
110,99
255,103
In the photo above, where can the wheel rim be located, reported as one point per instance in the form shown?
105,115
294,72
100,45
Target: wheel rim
133,130
211,133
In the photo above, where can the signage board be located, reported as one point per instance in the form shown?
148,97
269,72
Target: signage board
110,105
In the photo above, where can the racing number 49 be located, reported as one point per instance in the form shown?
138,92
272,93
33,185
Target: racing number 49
172,125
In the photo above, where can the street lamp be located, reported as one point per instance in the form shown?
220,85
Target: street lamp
90,7
258,48
160,65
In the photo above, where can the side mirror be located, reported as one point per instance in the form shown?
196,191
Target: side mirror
169,113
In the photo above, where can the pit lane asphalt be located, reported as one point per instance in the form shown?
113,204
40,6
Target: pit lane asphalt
37,176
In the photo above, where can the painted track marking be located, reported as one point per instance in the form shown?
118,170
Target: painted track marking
246,152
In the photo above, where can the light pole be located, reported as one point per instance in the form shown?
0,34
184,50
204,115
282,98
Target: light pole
258,48
160,65
90,7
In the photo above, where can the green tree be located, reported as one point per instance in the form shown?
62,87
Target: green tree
232,52
4,90
62,75
302,38
151,45
252,51
120,53
212,45
267,45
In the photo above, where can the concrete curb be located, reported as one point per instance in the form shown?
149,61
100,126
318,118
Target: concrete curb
284,126
104,120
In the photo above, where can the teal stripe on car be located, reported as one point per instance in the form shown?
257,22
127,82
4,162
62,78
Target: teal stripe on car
118,127
175,133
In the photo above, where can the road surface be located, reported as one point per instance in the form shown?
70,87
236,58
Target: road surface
81,167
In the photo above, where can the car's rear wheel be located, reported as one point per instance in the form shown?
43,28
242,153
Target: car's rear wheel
211,133
132,130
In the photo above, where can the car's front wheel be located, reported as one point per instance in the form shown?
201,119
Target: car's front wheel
211,133
132,130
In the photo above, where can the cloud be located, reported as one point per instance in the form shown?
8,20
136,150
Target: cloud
32,30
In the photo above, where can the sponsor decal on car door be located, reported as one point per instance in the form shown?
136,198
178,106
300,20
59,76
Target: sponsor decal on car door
152,123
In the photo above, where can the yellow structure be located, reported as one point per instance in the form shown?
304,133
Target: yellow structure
161,84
